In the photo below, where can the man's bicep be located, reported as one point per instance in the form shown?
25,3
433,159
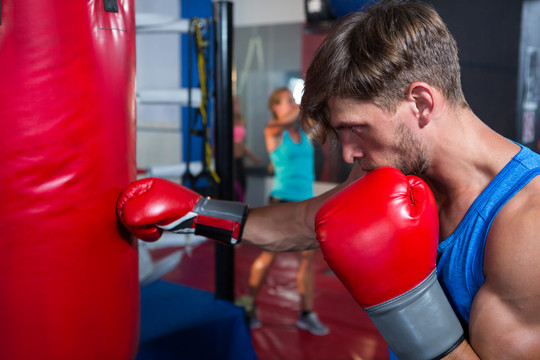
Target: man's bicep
502,329
505,316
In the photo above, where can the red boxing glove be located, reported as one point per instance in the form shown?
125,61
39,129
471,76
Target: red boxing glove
151,205
379,236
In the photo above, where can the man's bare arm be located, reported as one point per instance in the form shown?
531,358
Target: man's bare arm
289,226
505,317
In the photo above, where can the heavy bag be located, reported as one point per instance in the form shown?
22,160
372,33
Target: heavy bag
68,276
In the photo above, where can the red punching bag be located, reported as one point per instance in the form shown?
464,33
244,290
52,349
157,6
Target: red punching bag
68,277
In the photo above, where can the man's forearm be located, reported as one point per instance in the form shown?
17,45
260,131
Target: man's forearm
289,226
280,227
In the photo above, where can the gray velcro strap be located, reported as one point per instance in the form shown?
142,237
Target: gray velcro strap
221,209
234,212
419,324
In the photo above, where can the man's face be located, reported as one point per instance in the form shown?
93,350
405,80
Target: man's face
375,138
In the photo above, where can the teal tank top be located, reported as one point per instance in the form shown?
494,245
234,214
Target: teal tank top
294,169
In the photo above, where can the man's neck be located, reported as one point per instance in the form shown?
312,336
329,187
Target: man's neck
465,160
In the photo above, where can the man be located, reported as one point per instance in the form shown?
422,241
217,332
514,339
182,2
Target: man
387,83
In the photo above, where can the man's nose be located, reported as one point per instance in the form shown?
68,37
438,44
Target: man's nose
349,146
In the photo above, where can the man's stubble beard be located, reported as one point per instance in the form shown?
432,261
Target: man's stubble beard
411,155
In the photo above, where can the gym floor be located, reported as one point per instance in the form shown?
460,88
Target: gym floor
352,335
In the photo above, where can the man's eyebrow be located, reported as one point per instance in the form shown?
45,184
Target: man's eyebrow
341,125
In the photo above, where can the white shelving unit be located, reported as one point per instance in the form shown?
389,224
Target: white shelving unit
159,94
149,23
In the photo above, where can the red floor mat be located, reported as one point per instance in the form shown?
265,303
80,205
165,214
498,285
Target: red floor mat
352,335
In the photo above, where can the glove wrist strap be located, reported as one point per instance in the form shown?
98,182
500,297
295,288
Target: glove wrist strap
220,220
420,324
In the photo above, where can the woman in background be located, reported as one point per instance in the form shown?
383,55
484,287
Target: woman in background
292,156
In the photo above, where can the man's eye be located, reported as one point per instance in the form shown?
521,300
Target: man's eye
354,128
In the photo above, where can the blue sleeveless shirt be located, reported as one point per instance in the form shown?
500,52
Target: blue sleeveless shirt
294,169
460,256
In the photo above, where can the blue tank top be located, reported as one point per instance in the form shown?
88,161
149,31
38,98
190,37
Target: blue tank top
294,169
461,255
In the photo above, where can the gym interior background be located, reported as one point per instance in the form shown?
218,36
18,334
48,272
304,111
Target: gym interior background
273,42
499,48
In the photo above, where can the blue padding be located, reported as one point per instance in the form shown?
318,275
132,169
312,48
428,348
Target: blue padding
178,322
341,8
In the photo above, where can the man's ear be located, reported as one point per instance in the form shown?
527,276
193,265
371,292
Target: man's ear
423,97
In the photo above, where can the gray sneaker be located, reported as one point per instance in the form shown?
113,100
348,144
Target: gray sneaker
311,323
248,304
254,322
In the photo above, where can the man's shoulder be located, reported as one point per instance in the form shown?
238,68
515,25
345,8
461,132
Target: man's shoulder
524,201
515,231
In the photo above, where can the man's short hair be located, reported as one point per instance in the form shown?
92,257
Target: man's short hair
375,55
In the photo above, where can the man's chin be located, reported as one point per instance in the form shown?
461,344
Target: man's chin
368,167
371,167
